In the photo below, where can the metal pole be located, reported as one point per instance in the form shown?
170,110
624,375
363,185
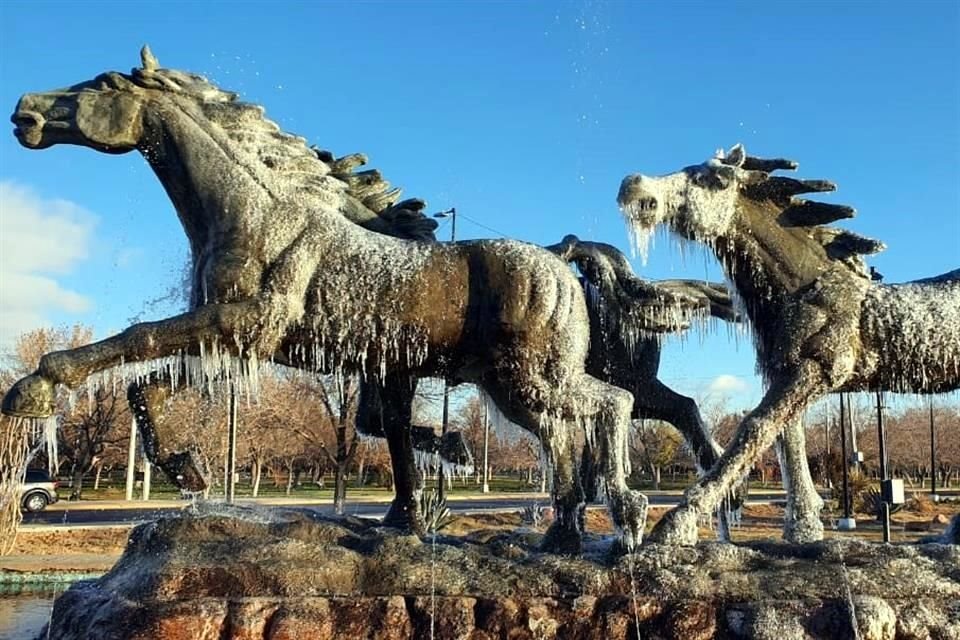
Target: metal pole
486,450
826,431
854,449
885,507
933,455
441,490
232,445
147,472
132,459
846,462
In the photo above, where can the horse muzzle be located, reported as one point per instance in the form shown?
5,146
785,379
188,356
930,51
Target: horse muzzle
28,128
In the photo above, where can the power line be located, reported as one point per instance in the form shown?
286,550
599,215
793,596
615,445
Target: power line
480,224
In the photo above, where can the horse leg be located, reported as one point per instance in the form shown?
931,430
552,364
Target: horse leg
546,421
32,396
653,399
802,517
783,403
147,400
565,534
610,415
390,404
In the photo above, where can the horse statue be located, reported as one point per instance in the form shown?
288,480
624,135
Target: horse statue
627,318
820,323
282,272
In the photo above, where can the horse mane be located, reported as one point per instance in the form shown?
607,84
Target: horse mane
300,168
805,216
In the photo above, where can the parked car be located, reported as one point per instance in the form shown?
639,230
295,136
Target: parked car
39,490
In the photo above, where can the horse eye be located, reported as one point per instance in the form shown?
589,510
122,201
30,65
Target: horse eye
58,113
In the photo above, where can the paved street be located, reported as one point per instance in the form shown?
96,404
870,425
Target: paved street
89,513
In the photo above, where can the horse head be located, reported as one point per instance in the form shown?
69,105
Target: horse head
105,113
698,202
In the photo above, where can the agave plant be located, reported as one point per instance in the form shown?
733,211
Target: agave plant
436,513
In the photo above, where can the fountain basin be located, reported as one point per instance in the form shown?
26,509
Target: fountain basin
257,573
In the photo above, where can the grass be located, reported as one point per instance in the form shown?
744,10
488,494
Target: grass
162,490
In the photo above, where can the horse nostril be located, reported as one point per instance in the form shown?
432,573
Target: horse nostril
23,119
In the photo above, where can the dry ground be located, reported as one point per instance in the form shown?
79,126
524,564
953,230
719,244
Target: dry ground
759,522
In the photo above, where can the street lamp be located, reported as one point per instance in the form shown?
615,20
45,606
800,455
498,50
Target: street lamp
933,456
891,490
452,214
847,522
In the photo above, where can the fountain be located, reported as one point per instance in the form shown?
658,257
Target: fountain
506,315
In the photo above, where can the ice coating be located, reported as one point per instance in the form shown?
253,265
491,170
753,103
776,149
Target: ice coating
282,272
819,323
919,326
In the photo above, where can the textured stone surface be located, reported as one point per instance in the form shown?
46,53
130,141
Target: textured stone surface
245,573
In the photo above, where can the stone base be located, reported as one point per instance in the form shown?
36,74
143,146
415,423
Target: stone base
846,524
278,574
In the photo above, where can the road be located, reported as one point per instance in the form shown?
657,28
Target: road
88,513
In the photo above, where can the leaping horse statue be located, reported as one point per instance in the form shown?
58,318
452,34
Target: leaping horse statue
820,323
282,271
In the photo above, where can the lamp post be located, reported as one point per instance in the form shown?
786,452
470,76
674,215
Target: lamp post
891,489
486,450
441,491
933,456
231,479
847,522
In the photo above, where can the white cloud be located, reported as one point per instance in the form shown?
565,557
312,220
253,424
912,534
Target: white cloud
726,385
40,239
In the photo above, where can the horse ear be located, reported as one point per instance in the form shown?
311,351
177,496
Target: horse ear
147,59
725,175
736,155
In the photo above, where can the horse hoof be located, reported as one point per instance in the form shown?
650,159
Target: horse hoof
562,540
678,527
30,397
634,516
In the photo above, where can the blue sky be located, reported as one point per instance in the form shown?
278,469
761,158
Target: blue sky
525,116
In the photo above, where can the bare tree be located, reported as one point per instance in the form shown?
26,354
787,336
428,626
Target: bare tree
88,431
91,424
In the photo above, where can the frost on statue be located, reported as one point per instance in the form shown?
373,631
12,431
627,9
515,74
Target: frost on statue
819,323
284,271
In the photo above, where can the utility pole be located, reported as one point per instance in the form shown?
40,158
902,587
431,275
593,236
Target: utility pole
132,459
885,505
857,456
441,489
486,450
147,472
231,485
933,456
847,523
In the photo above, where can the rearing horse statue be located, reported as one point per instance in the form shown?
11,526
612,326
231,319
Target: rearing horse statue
281,271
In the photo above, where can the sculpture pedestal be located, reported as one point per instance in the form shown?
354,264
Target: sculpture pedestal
278,574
